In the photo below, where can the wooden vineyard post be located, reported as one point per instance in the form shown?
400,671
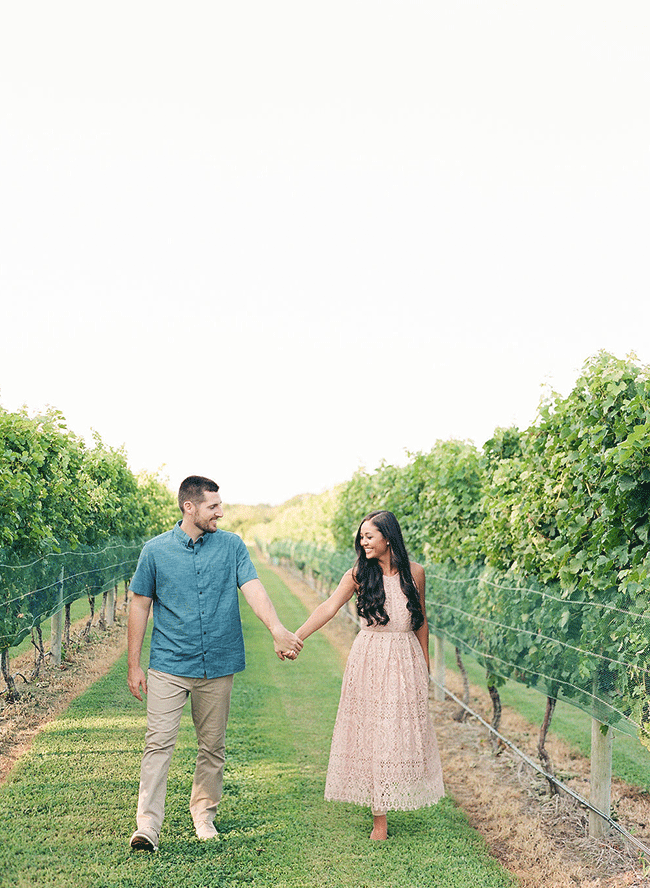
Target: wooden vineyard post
110,606
57,626
439,668
601,776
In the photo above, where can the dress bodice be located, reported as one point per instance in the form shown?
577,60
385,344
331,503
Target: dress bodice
399,616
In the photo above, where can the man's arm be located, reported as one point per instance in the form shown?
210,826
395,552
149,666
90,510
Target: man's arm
138,616
261,605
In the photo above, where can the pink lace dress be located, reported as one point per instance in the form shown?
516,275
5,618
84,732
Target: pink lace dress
384,750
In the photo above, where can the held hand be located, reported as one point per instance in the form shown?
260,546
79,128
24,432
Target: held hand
136,679
286,643
292,655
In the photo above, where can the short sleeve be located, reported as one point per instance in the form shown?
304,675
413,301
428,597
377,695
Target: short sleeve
245,567
144,578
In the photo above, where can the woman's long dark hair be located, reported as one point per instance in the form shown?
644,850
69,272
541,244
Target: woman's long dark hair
371,598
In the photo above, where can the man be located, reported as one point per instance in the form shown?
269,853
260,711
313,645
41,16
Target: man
191,574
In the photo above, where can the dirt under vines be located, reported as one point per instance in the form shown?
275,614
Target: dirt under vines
89,656
542,840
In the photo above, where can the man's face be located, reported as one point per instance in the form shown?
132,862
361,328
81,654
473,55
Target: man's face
204,515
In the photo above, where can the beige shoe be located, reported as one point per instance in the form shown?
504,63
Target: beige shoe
205,830
144,840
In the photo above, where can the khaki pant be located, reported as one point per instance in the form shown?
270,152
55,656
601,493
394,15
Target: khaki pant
166,696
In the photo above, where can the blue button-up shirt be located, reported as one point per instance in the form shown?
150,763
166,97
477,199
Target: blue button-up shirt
196,622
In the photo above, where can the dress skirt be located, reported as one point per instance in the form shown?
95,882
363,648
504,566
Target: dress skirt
384,751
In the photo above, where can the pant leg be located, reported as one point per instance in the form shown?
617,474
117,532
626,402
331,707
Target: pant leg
210,708
166,696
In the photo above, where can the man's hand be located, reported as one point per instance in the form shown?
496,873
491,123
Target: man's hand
136,680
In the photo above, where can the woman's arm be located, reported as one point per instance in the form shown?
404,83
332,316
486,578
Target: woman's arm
325,611
422,634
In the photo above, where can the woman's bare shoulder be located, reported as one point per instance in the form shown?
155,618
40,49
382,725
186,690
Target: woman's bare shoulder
347,587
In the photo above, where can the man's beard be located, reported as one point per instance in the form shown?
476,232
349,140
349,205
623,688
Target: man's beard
204,525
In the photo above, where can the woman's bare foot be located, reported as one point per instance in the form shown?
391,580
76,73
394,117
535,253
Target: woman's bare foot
380,828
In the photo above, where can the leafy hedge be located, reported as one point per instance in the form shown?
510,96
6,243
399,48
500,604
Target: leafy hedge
59,496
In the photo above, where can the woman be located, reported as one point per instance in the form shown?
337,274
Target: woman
384,751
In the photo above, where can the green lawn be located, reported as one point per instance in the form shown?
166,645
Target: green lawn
68,809
630,759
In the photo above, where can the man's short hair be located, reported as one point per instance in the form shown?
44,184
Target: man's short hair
193,488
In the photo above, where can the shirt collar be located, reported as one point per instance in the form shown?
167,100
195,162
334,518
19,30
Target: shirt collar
186,541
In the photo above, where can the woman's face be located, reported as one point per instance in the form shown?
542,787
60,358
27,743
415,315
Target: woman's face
372,542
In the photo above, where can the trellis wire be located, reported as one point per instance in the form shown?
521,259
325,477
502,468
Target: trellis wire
539,635
76,553
22,611
585,803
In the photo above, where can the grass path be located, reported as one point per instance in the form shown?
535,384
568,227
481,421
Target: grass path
67,811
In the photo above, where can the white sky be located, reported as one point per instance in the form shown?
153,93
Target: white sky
273,241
